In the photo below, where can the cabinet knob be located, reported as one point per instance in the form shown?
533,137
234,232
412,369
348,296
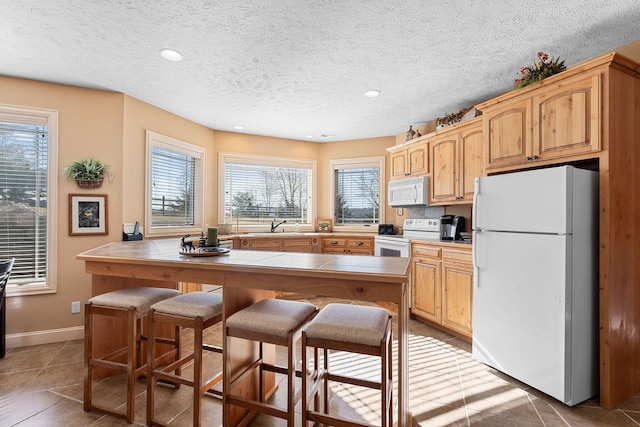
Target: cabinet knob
528,158
535,157
334,242
359,243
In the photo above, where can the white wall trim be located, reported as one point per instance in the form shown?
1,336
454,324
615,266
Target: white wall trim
44,337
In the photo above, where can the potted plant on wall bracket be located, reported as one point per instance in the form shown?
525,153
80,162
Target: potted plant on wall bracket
89,173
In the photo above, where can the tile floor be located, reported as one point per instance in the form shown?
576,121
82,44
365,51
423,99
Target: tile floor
42,386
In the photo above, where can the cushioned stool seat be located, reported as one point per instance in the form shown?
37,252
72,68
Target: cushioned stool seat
131,305
348,328
196,310
270,321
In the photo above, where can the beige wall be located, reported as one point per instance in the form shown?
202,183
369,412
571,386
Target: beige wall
90,124
138,118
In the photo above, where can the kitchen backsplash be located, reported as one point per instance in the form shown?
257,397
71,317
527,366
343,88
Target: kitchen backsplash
418,212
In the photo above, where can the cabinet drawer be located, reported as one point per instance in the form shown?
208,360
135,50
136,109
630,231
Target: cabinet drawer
360,244
335,243
425,251
456,256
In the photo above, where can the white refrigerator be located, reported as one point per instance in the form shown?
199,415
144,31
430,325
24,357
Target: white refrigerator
535,297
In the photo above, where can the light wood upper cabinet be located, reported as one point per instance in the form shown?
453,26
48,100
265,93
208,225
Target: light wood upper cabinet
567,119
444,164
554,121
456,160
508,134
472,165
410,161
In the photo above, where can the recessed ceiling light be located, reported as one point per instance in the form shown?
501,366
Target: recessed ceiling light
327,135
309,136
171,55
372,93
238,127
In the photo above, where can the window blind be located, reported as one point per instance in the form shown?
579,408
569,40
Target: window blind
174,182
256,193
23,197
357,195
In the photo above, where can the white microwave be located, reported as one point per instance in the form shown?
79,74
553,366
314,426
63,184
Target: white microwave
408,192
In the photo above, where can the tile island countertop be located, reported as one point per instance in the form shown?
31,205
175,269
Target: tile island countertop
248,275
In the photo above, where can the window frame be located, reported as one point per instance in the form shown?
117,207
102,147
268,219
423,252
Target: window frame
352,163
50,117
154,139
227,157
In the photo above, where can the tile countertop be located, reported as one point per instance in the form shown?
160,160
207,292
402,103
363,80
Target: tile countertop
333,234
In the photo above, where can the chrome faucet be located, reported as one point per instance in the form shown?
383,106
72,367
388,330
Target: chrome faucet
274,225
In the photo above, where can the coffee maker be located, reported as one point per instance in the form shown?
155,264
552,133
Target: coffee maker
451,226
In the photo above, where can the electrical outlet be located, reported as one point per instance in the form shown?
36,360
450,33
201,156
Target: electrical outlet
75,307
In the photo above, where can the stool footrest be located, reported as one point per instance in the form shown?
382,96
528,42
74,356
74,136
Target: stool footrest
102,410
263,408
326,419
212,348
355,381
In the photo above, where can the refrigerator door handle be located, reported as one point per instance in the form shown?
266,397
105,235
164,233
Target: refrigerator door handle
474,236
474,252
476,200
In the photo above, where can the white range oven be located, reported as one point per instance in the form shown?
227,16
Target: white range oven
399,245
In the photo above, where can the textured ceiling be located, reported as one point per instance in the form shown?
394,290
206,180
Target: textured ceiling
289,68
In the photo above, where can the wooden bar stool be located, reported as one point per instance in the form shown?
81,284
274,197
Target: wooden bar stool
270,321
354,329
130,305
195,310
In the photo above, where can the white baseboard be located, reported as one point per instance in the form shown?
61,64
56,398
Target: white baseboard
44,337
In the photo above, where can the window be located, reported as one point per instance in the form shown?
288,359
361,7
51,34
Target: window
358,192
175,179
28,176
258,190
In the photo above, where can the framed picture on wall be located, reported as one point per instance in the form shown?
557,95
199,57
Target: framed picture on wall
88,214
325,225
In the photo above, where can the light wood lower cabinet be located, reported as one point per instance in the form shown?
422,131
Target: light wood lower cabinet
442,285
308,244
348,245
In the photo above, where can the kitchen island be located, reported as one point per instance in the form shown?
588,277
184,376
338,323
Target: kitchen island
247,276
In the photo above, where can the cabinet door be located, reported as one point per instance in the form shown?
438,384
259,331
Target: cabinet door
508,134
425,282
471,164
567,119
417,159
457,288
444,187
399,164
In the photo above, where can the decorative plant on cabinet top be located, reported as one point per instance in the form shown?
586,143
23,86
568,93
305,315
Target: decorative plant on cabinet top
88,173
